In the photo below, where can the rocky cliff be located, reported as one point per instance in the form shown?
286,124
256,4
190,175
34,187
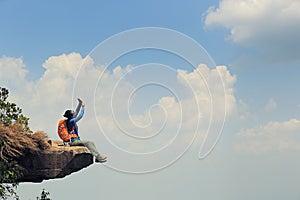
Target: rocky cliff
38,157
57,161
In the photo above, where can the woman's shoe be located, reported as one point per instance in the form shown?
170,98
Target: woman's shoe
101,159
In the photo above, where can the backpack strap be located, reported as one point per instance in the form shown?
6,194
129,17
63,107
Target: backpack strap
73,135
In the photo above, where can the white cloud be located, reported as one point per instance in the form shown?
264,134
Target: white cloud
13,75
109,99
42,100
274,128
168,114
53,90
271,105
269,24
55,86
273,136
218,89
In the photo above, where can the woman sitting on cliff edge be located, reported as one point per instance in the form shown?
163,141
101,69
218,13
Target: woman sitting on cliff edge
72,119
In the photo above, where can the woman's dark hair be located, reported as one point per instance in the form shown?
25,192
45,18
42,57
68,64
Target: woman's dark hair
68,114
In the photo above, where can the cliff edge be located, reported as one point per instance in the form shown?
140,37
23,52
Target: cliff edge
56,162
38,157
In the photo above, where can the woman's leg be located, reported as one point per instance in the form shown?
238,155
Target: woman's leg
90,145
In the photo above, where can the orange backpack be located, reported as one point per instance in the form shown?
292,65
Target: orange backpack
63,133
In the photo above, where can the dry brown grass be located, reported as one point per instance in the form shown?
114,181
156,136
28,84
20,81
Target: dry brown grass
15,141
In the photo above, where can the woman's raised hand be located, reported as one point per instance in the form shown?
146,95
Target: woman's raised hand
81,101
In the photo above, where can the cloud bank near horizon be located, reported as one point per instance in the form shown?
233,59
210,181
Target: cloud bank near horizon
45,100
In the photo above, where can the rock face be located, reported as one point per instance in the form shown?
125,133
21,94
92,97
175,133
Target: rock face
56,162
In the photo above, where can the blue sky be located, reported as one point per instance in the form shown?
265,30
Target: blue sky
62,27
255,43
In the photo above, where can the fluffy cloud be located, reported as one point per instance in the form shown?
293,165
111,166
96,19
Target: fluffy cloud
186,113
44,99
218,89
67,73
13,75
273,136
123,113
269,24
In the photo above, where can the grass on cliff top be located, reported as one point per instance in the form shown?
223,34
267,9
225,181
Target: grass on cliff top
16,141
